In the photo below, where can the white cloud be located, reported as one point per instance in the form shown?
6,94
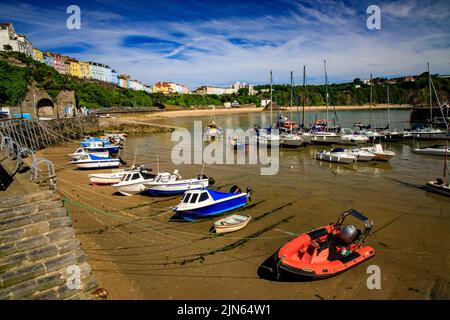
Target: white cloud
305,35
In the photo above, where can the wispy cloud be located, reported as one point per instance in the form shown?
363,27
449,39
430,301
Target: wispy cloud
203,43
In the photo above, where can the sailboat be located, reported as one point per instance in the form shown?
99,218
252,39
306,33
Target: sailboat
266,138
430,133
288,137
321,132
370,133
389,134
441,186
306,136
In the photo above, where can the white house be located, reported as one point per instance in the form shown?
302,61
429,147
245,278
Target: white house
9,37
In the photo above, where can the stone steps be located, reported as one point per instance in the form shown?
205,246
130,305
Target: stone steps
39,251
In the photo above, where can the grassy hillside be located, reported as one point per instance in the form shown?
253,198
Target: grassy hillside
17,71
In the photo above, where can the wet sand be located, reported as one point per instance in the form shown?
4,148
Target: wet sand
137,252
223,111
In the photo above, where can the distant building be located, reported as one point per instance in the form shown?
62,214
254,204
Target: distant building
410,78
207,90
122,79
48,59
58,63
162,87
10,39
84,70
38,55
100,72
74,67
113,77
148,89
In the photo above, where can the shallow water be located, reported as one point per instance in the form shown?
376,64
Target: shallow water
411,234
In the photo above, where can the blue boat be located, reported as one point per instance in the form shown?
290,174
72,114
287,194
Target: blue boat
205,203
91,142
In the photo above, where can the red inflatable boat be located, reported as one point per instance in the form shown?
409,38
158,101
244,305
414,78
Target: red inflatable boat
327,251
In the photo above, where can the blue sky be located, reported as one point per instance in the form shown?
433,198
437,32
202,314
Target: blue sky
218,42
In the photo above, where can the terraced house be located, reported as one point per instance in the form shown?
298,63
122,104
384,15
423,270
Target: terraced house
84,70
38,55
74,67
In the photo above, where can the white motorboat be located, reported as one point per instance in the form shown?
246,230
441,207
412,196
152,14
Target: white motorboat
267,140
435,150
380,153
133,182
82,151
231,223
338,155
429,134
212,131
90,161
166,183
361,155
325,137
114,176
348,137
288,139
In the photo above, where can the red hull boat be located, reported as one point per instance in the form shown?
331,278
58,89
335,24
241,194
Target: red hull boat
327,251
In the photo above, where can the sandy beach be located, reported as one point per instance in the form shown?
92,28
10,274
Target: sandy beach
223,111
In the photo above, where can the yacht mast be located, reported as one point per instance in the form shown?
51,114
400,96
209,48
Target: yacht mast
431,98
271,102
326,88
389,107
303,97
292,88
370,104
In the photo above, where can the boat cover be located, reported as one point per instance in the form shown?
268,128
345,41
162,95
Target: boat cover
217,195
94,157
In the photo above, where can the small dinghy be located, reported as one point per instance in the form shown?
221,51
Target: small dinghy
231,223
169,184
361,155
90,161
380,154
338,155
82,151
327,251
205,203
435,150
441,185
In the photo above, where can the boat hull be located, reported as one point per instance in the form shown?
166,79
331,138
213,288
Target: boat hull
214,209
98,164
432,186
335,158
325,139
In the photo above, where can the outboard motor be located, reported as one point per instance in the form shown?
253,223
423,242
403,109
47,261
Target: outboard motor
122,161
235,189
211,181
348,233
249,193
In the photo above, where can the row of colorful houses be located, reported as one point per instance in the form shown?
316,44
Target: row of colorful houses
11,41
